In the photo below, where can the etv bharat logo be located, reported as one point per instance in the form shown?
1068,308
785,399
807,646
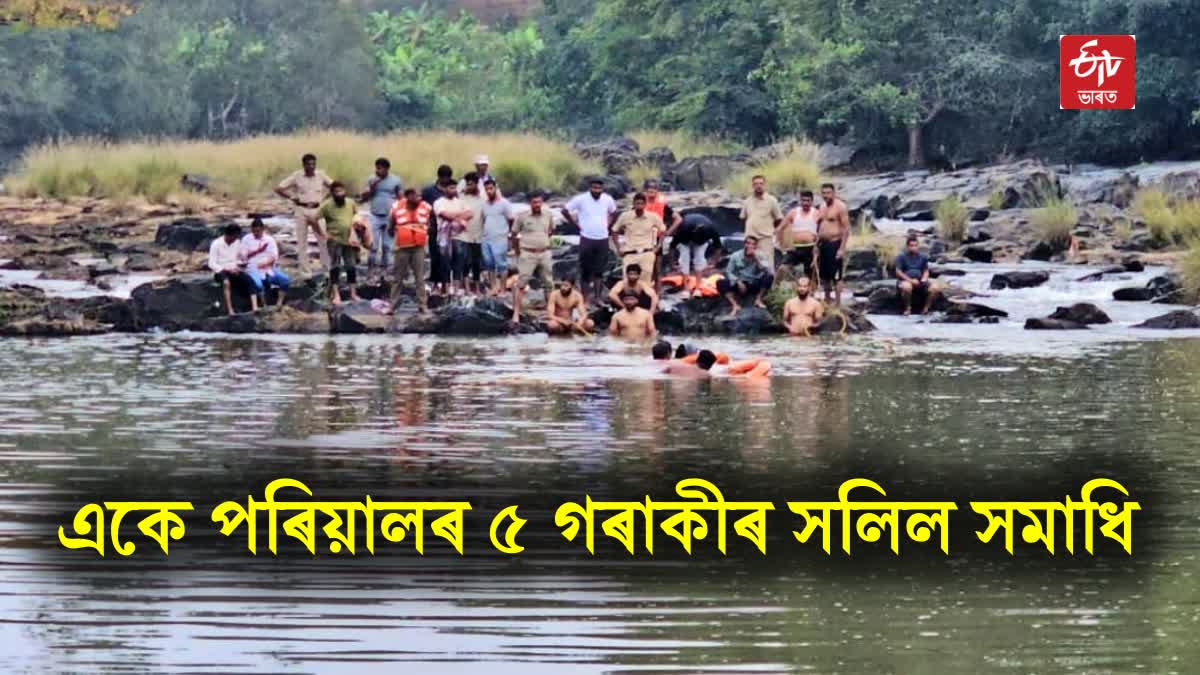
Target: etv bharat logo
1097,72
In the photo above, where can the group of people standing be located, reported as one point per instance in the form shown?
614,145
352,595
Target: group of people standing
466,229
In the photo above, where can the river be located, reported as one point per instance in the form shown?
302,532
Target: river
939,404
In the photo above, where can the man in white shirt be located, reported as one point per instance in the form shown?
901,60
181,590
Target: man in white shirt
593,212
226,262
261,253
454,217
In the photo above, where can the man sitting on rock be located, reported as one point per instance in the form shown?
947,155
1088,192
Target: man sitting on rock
912,273
561,308
228,266
802,312
647,298
632,322
261,253
746,276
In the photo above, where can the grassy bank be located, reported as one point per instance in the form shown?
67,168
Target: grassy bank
685,144
796,169
250,167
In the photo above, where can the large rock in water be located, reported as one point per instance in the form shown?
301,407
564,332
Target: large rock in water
1019,280
179,303
1178,320
185,235
885,299
356,318
1156,289
271,320
479,316
701,173
1082,313
1053,324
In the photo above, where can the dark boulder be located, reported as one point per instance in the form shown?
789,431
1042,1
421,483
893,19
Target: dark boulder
1043,251
751,321
185,235
976,253
1019,280
980,215
885,299
1178,320
843,322
180,303
660,157
1099,276
972,310
1053,324
615,186
937,272
284,320
863,265
1132,264
725,219
1083,313
356,318
482,316
1156,288
701,173
45,327
598,150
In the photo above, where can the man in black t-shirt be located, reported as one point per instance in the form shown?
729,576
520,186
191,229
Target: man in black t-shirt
695,239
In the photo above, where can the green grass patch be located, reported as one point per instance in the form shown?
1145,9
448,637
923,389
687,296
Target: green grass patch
951,218
1055,220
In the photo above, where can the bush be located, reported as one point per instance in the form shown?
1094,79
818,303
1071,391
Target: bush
951,218
997,198
1189,271
1151,206
685,144
1055,220
516,175
640,173
789,174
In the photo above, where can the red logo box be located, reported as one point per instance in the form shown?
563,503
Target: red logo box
1097,72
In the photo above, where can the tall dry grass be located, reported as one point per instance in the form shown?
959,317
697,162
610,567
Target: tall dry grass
951,218
797,169
1055,219
250,167
685,144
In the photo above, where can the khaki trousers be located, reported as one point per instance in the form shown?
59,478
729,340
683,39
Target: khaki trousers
306,219
411,258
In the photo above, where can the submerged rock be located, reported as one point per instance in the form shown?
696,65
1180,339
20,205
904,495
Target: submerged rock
1053,324
271,320
1019,280
1178,320
976,253
885,299
45,327
1082,312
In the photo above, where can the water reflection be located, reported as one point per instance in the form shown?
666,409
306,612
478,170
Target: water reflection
185,409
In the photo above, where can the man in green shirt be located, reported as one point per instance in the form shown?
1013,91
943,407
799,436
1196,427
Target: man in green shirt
338,214
746,276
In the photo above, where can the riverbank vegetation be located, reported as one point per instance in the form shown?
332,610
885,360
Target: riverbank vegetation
795,168
1168,222
939,84
251,166
951,218
1055,219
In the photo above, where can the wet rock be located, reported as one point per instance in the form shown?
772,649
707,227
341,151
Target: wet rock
1133,265
834,155
179,303
701,173
1019,280
976,253
885,299
185,235
973,310
980,215
1177,320
480,316
1082,313
1156,288
938,272
1043,251
843,322
660,157
1099,276
1053,324
113,312
101,269
863,265
141,262
751,321
271,320
356,318
44,327
977,236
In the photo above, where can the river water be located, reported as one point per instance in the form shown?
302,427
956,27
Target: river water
940,404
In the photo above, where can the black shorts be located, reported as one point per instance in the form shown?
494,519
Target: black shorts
593,259
920,291
238,281
801,256
830,264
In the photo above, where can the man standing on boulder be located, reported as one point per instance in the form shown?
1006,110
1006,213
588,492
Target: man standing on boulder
657,204
799,229
306,189
762,215
382,193
833,237
410,219
593,212
912,274
439,266
641,230
339,213
532,235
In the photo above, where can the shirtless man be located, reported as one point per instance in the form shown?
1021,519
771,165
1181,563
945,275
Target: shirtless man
702,368
647,298
800,226
833,234
632,322
560,311
802,312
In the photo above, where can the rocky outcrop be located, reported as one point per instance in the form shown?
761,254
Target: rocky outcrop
1158,288
1053,324
186,235
272,320
726,219
1084,313
885,299
1019,280
469,317
1179,319
702,173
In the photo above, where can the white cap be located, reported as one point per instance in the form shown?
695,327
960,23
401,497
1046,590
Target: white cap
482,159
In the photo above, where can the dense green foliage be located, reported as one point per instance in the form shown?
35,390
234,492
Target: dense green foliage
934,81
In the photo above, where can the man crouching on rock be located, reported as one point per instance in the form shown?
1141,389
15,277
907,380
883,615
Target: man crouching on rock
802,312
228,266
561,308
746,276
912,274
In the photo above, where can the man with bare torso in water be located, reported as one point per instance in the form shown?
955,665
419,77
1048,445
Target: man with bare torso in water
833,236
802,312
632,322
561,307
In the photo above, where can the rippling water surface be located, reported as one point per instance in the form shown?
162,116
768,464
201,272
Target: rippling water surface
184,409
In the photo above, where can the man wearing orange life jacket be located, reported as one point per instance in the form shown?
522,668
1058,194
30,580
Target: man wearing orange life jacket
656,204
410,217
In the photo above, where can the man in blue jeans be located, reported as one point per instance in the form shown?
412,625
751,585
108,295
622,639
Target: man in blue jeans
261,253
497,224
383,189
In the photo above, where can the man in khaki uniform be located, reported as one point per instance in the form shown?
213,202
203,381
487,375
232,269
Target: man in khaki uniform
641,229
762,215
307,189
532,233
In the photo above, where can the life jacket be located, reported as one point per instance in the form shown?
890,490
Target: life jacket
707,288
754,368
412,226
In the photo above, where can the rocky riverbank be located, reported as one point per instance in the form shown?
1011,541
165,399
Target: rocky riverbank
88,266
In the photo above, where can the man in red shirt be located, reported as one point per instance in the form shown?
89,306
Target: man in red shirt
410,217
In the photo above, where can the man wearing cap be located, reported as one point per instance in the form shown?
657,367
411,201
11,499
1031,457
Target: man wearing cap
482,164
